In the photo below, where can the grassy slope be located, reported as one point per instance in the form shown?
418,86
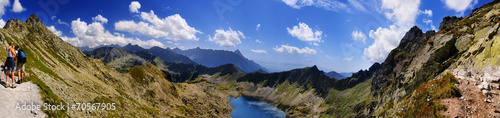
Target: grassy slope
342,103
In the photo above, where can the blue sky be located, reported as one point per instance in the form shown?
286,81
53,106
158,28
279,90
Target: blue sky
336,35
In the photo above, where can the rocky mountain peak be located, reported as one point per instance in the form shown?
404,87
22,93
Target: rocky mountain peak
33,19
314,69
447,21
238,53
14,24
412,33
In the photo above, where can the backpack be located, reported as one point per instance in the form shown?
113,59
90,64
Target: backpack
21,56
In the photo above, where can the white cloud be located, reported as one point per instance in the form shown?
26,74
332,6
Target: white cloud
100,18
62,22
429,22
331,5
259,51
358,36
258,41
173,27
427,12
294,50
402,12
3,4
460,5
356,4
386,39
257,28
94,34
2,23
348,59
227,38
134,7
17,7
304,33
55,31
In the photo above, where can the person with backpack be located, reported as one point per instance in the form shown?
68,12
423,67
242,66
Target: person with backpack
10,64
21,60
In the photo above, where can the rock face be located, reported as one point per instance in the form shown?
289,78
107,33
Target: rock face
465,48
123,60
310,77
65,75
447,21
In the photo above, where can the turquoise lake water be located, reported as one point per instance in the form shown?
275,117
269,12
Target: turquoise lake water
244,107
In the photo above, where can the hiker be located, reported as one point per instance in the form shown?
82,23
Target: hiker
21,60
10,64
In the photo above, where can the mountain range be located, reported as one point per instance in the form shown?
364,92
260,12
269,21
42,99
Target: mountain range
451,73
205,57
213,58
335,75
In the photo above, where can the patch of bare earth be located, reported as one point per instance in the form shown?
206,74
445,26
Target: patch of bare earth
473,103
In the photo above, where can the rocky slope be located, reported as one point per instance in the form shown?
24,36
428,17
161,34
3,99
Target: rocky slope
66,75
123,60
429,69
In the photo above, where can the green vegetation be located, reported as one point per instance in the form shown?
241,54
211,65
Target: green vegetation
342,103
138,74
424,101
186,110
197,80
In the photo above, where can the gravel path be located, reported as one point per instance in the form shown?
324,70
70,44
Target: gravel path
26,92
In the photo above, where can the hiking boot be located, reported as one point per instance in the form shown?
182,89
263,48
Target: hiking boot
13,85
7,85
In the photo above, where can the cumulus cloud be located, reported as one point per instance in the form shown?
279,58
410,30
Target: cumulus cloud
403,14
17,7
294,50
2,23
3,4
257,28
358,36
304,33
259,51
173,27
94,34
55,31
348,59
386,39
258,41
427,12
100,18
429,22
227,38
459,5
134,7
331,5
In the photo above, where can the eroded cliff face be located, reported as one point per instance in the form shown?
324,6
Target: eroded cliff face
66,75
468,49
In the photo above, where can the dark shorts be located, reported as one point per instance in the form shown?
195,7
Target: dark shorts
10,64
